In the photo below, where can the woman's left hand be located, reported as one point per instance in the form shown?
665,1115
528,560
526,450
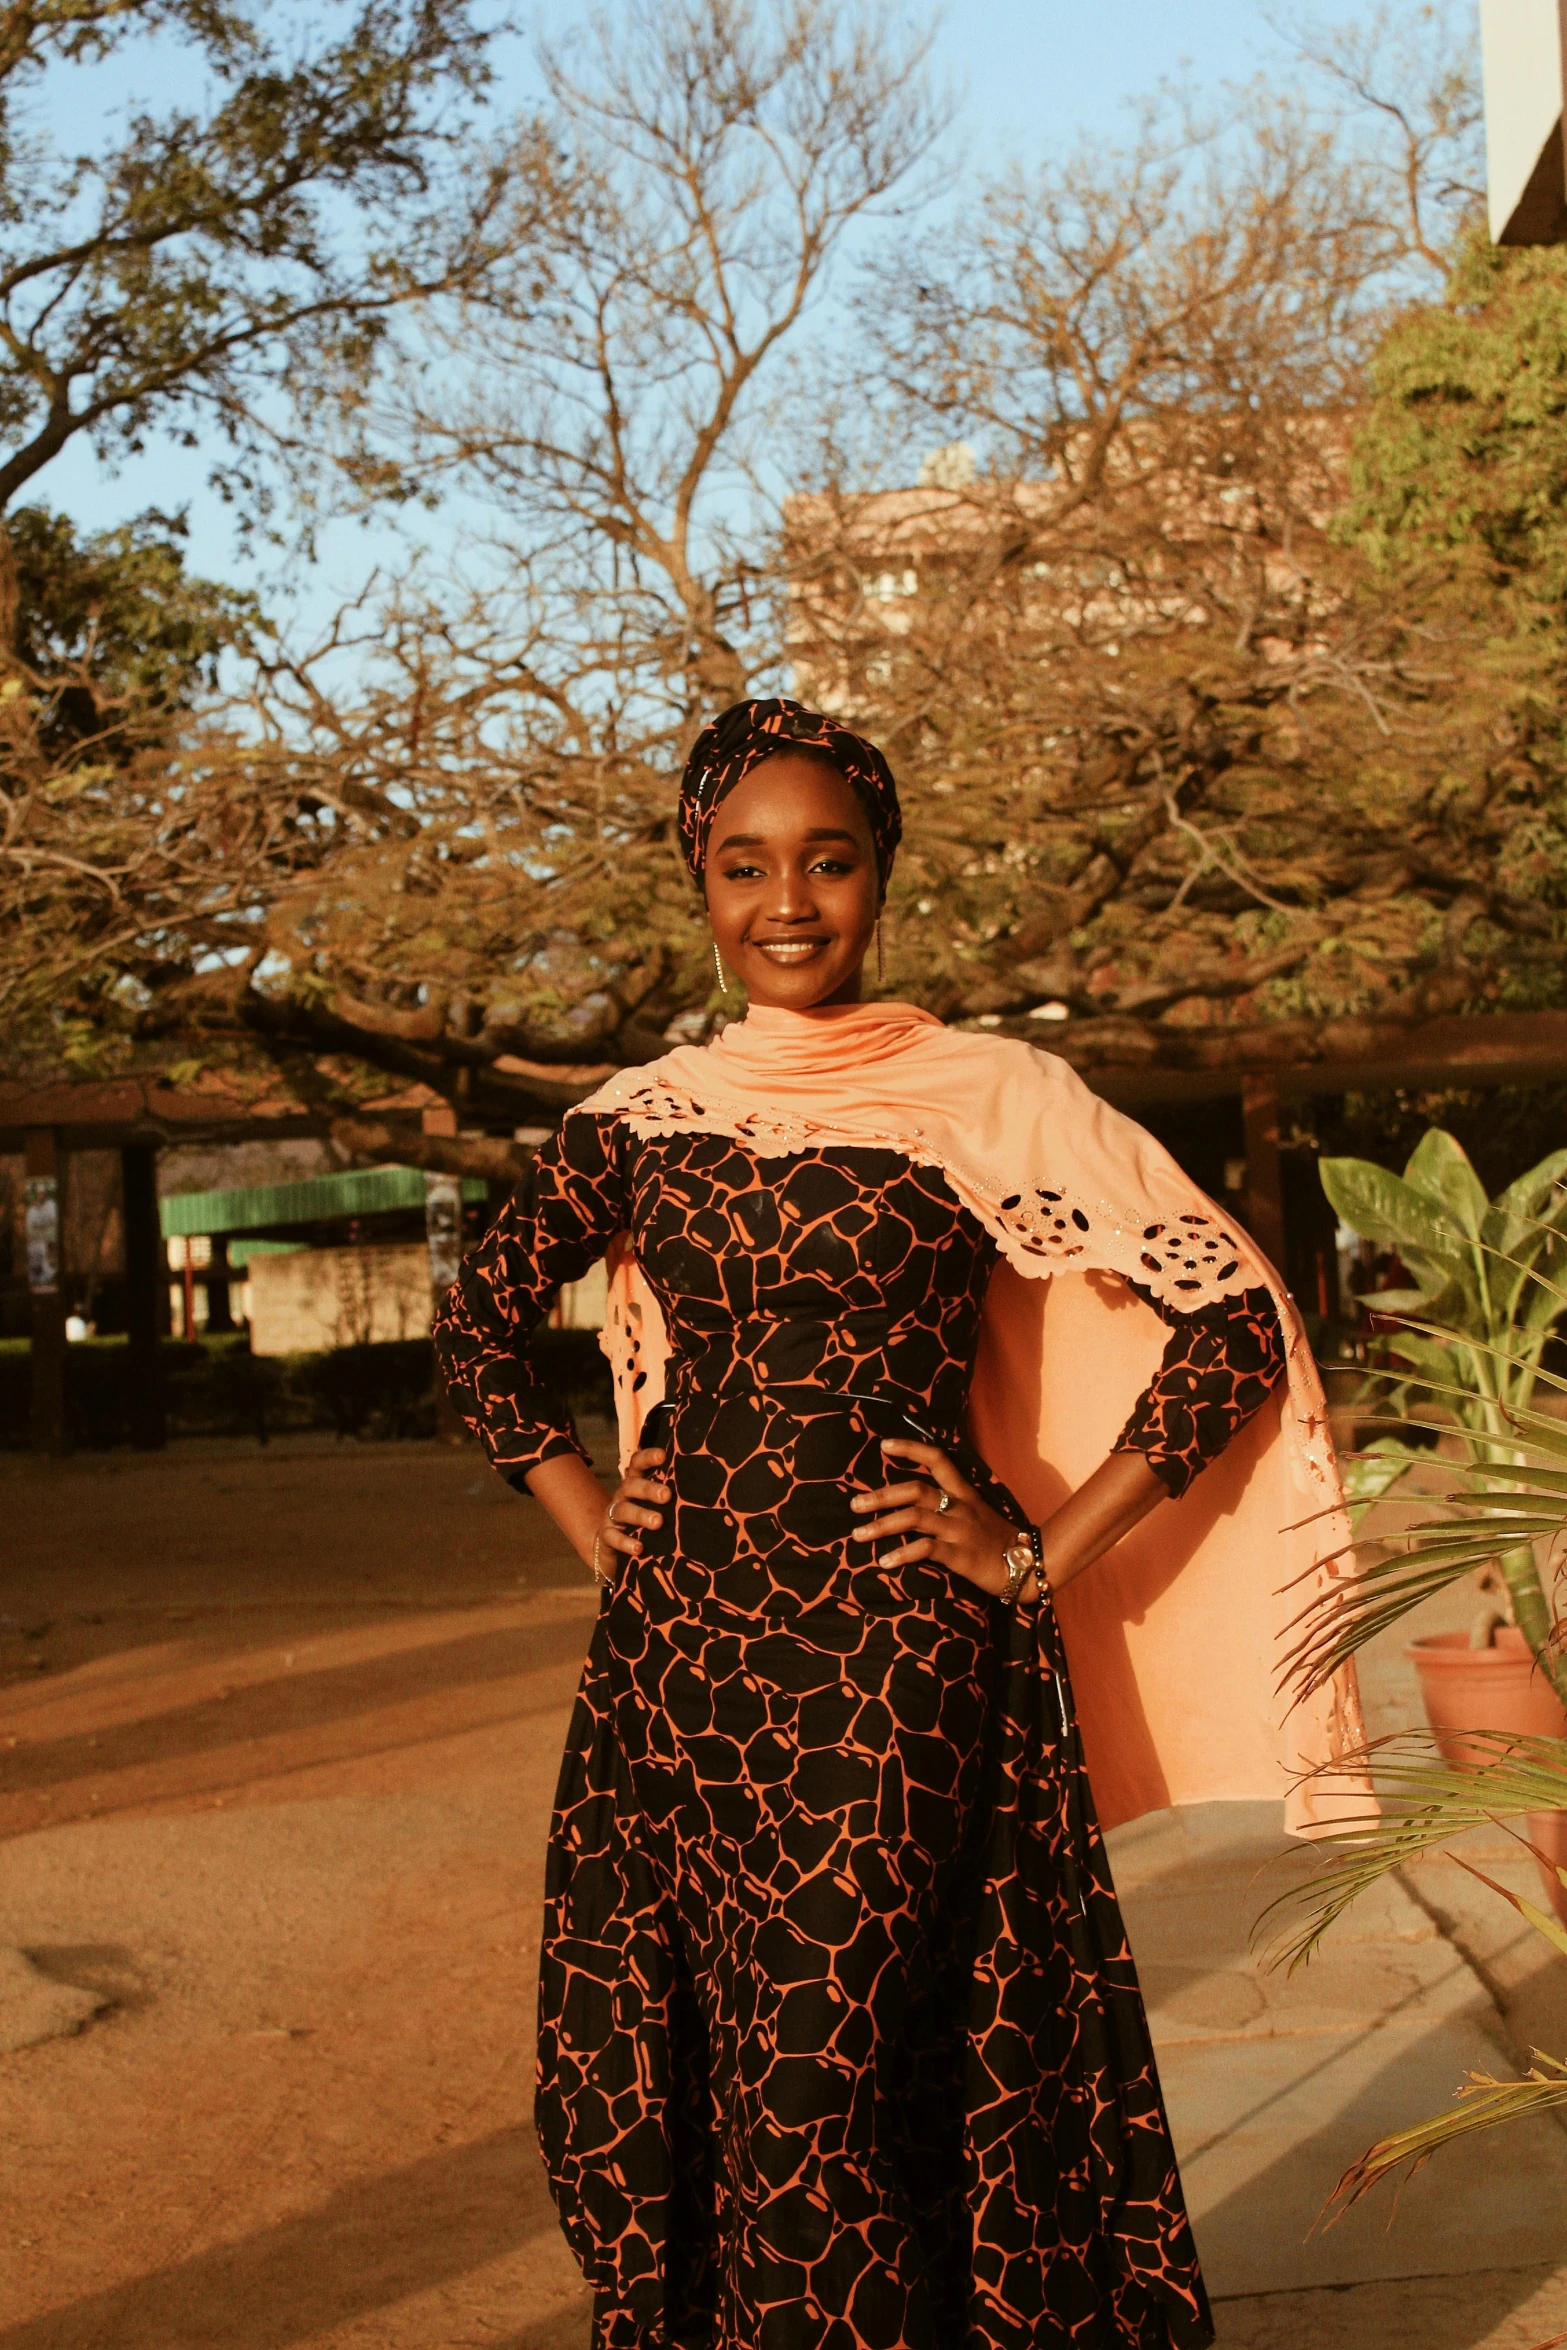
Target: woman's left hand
942,1518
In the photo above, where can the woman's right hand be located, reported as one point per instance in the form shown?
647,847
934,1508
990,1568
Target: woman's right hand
636,1503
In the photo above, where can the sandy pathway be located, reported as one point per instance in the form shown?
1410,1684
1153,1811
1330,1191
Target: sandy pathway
278,1734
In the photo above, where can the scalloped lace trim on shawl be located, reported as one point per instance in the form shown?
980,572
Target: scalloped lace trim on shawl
1178,1248
1185,1258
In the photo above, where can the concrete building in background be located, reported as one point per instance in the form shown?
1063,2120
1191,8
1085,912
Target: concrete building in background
1523,49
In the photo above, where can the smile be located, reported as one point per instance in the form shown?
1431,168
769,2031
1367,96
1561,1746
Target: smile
789,950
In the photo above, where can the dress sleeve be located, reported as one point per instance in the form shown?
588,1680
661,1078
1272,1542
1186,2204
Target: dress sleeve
559,1221
1220,1365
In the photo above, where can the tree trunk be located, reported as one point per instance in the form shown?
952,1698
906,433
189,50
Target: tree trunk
10,599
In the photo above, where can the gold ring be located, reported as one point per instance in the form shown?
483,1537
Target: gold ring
943,1505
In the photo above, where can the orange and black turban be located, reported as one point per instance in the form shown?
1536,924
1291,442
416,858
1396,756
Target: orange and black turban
725,752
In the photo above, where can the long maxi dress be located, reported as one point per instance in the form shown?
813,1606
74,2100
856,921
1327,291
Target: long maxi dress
841,2046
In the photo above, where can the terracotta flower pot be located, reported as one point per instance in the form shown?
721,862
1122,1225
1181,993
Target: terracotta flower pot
1500,1688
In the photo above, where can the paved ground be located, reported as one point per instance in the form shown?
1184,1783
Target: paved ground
275,1833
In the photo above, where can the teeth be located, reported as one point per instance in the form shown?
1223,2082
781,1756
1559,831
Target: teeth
788,946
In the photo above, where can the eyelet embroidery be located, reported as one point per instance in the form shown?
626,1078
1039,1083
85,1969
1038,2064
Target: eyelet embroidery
1201,1261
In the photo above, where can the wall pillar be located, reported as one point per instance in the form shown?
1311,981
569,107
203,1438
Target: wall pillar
220,1312
147,1288
1264,1167
43,1175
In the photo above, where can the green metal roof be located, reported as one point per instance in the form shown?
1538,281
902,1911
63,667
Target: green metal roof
245,1252
321,1199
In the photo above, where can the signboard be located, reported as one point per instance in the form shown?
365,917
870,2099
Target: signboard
1522,44
41,1210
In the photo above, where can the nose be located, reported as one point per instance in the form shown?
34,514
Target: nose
790,900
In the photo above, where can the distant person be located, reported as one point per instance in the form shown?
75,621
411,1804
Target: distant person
840,2042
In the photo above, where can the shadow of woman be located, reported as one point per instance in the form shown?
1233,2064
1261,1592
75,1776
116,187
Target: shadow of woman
373,2243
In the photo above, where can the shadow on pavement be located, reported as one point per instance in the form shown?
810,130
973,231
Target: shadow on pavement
293,1701
370,2246
1476,2225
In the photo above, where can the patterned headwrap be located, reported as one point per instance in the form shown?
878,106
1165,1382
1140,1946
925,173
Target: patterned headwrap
725,752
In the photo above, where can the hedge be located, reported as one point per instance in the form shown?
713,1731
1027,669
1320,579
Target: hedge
217,1387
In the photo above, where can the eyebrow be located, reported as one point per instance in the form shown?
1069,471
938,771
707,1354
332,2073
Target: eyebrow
755,840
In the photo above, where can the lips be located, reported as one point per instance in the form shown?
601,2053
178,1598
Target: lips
789,950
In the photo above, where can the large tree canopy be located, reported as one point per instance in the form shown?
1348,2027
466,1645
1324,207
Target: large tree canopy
115,646
1227,654
218,267
1130,510
456,818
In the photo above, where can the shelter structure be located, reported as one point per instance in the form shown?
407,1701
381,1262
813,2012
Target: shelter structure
1230,1126
336,1259
136,1118
1474,1052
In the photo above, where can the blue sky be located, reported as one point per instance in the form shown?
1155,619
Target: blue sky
1038,72
1032,76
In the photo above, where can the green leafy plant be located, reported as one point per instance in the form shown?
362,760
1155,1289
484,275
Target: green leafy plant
1425,1805
1465,1363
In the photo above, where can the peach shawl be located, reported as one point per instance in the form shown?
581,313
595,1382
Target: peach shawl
1176,1638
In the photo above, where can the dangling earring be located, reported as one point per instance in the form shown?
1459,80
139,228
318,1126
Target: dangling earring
718,966
881,960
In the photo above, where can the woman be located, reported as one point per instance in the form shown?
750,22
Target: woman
841,2046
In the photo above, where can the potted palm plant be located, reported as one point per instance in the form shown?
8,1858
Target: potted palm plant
1426,1807
1465,1348
1503,1507
1464,1359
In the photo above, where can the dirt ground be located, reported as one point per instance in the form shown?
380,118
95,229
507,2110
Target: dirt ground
277,1742
278,1734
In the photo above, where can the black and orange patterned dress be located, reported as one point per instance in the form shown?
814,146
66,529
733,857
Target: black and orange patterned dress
841,2046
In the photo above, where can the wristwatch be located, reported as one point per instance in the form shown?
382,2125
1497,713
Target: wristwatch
1021,1559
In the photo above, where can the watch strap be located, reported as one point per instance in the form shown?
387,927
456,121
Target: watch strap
1018,1559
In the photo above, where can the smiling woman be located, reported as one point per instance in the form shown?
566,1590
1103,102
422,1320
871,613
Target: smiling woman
794,889
841,2047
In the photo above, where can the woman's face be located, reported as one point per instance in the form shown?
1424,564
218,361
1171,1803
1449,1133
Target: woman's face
791,882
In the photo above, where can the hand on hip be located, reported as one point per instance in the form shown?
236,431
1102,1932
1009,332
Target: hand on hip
937,1516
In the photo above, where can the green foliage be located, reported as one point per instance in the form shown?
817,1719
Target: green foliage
1491,1282
1493,1506
122,600
199,261
1501,1128
1486,1271
1490,1287
114,619
1463,448
1484,2103
1424,1805
1192,770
